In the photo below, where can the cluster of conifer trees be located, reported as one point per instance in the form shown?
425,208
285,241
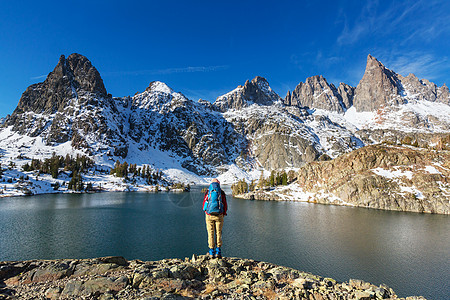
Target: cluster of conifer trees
124,170
275,179
79,164
75,165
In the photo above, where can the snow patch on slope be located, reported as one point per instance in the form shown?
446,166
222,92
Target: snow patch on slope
391,174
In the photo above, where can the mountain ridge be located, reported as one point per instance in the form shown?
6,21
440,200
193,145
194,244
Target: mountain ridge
249,129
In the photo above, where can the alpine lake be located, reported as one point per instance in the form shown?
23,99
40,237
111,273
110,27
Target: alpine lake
409,252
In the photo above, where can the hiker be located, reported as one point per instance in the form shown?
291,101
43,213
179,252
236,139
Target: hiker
215,208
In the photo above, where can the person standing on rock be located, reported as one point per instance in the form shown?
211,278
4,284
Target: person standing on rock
215,208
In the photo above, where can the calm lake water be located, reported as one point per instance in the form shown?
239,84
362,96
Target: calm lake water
409,252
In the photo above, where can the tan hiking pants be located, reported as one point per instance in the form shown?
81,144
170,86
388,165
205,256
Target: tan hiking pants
214,226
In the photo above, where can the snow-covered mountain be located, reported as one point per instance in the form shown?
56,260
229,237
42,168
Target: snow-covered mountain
244,131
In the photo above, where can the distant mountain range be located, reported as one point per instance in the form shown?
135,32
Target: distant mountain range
244,131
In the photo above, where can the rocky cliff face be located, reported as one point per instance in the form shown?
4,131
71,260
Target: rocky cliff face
316,92
380,88
377,176
416,89
275,138
72,106
347,93
383,177
196,278
443,94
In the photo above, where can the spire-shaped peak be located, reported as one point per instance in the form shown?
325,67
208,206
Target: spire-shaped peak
62,60
86,74
80,72
70,77
373,64
59,71
378,88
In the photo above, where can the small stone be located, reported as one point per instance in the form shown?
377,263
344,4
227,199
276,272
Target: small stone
364,295
53,293
72,288
107,296
380,292
346,287
164,273
300,283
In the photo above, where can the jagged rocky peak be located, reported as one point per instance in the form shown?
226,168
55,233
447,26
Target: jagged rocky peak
158,95
70,105
79,72
85,74
443,94
379,87
316,92
418,89
259,91
70,77
423,89
255,91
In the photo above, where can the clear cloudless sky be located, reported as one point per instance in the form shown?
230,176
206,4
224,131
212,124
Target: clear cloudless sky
204,49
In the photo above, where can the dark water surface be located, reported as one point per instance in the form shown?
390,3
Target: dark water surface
409,252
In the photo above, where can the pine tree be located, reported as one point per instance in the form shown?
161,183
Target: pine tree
124,169
67,162
138,172
272,178
278,179
284,180
54,166
76,183
251,188
26,167
262,181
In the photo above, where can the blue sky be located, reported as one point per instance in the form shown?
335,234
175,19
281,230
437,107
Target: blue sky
204,49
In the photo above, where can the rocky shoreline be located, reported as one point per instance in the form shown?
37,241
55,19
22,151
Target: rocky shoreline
197,278
399,178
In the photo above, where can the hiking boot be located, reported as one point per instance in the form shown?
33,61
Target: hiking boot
211,253
218,252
